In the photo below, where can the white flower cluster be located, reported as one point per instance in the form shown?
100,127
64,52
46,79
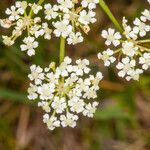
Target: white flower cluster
72,16
64,91
130,49
20,21
67,18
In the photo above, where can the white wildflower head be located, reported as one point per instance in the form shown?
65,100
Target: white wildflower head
67,18
64,91
72,18
23,20
133,56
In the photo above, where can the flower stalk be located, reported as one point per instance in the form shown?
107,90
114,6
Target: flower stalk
110,15
144,41
39,3
62,49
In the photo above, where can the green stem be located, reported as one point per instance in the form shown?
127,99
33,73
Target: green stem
143,41
110,15
39,3
117,51
62,49
143,48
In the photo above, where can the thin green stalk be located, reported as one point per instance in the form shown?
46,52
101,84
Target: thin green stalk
144,41
62,49
39,3
110,15
143,48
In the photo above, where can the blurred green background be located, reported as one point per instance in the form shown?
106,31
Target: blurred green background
122,121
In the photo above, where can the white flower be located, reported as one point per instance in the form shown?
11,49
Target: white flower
134,74
87,17
76,105
67,17
75,38
52,122
35,30
45,106
125,66
129,49
32,92
111,37
13,13
91,93
62,28
35,8
95,80
73,78
68,120
145,61
29,46
64,67
83,85
140,27
65,5
90,109
47,31
21,6
61,95
46,91
36,75
107,57
7,40
50,12
82,67
128,31
59,104
91,4
145,15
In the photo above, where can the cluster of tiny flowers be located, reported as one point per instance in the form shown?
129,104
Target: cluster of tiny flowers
20,21
67,18
64,91
72,17
133,57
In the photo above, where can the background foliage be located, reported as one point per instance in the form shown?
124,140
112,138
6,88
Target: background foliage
122,121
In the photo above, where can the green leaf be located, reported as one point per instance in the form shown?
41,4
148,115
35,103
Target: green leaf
111,112
12,95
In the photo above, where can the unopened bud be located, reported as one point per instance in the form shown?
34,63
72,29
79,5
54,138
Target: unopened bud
86,29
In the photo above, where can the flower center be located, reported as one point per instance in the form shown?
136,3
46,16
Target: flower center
27,21
111,37
105,57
